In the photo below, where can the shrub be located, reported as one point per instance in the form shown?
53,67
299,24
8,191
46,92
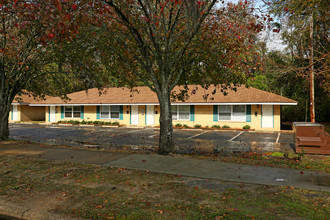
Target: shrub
70,122
185,126
197,126
225,126
96,122
178,125
59,122
107,123
246,127
83,122
75,122
115,123
216,126
90,122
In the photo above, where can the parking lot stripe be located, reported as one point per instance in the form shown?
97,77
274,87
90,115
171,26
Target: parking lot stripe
131,132
197,135
236,136
278,137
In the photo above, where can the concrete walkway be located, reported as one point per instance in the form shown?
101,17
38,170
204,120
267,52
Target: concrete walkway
176,165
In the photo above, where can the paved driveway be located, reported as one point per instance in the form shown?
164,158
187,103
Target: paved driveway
147,139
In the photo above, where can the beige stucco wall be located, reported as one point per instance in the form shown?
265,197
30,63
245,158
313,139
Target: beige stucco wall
203,116
32,113
90,115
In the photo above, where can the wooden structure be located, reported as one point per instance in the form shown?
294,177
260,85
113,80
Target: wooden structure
311,138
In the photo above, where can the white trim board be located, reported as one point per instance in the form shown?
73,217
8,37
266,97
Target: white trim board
21,103
203,103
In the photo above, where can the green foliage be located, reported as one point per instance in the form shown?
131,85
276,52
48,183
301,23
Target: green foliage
83,122
185,126
178,125
246,127
76,122
259,82
216,126
197,126
225,126
107,123
96,122
288,71
115,123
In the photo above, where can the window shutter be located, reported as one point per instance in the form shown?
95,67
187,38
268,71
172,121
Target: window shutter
192,113
121,113
248,113
81,112
215,113
62,111
98,116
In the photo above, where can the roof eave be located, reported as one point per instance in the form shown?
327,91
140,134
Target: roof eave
180,103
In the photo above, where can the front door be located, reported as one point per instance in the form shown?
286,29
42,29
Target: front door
150,118
134,115
267,116
15,116
52,114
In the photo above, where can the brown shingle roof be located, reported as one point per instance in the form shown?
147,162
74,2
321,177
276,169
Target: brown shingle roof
143,95
26,98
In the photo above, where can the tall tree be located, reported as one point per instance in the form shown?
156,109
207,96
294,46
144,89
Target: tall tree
164,43
30,31
305,28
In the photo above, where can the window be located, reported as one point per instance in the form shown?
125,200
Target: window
232,113
224,112
180,112
110,112
72,111
239,113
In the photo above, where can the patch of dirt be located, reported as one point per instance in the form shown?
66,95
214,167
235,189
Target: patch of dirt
36,205
41,200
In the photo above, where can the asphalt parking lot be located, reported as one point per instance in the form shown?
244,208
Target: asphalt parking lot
147,138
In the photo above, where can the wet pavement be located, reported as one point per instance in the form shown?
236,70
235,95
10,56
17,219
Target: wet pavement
146,139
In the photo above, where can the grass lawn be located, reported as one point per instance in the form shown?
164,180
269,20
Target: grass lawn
274,159
95,192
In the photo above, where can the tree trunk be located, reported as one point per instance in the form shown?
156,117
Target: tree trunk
166,143
4,115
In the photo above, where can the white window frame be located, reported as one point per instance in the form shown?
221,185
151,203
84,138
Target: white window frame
178,113
231,113
109,113
72,111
